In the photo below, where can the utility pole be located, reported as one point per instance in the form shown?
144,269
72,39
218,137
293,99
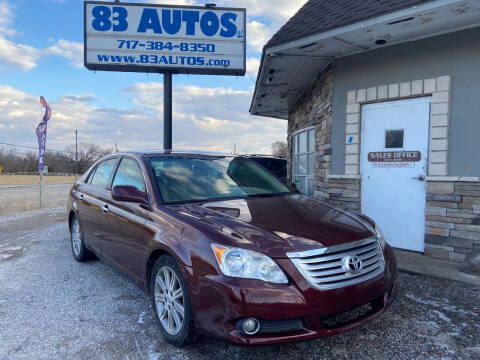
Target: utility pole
167,111
76,154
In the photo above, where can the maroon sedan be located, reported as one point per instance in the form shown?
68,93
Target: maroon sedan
226,250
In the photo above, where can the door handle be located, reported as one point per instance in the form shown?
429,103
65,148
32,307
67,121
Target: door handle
105,209
420,177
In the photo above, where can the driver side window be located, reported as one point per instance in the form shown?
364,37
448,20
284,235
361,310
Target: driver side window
129,173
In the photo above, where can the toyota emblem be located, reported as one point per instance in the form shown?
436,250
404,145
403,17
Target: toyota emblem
352,264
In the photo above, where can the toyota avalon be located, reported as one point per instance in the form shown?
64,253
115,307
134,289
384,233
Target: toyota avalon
226,250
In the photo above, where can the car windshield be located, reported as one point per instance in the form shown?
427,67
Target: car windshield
202,179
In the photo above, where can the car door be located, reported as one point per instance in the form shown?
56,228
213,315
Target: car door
93,196
125,244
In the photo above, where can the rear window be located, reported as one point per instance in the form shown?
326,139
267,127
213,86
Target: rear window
103,173
277,166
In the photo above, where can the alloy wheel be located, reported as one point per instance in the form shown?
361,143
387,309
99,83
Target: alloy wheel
169,301
76,238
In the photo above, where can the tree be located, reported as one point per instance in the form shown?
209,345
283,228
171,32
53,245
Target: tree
87,155
57,161
280,148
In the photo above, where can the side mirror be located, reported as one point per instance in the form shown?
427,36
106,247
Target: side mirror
129,193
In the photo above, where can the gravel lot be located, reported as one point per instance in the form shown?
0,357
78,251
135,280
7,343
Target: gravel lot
54,308
15,198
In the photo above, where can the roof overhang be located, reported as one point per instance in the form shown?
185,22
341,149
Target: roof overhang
287,69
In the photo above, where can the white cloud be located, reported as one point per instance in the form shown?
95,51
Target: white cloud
277,10
70,50
258,34
212,118
203,118
15,55
253,65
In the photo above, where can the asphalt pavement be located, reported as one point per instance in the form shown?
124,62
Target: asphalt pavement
54,308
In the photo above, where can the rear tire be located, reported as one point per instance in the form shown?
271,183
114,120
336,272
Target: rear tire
171,303
79,251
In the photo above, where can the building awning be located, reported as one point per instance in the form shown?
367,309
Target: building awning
289,63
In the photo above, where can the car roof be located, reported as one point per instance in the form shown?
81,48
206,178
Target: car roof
174,152
260,156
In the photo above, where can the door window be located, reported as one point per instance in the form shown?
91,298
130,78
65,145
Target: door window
304,160
129,173
394,139
103,173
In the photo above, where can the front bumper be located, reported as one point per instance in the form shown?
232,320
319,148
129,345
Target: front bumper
220,302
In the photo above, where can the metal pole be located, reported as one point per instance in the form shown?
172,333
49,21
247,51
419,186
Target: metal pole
167,111
76,154
41,182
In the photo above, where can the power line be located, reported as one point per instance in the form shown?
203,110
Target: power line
35,148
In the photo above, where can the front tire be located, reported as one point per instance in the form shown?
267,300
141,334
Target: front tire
171,302
80,253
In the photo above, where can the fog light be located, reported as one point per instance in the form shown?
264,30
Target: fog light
251,326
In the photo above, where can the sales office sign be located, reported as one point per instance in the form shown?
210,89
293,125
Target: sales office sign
159,38
399,159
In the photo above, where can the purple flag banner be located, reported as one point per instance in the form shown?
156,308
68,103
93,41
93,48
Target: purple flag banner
42,132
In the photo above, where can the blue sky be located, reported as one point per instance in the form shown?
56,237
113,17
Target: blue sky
41,53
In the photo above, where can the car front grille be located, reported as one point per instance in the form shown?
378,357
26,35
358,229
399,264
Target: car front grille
325,268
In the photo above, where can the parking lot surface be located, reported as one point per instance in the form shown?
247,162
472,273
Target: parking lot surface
54,308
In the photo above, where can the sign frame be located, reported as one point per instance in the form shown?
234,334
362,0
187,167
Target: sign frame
164,69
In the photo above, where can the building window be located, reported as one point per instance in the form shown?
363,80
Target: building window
304,160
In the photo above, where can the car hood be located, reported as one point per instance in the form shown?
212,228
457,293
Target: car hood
278,225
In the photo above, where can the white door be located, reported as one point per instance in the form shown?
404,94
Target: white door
393,163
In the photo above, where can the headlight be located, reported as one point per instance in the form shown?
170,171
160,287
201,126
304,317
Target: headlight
380,237
241,263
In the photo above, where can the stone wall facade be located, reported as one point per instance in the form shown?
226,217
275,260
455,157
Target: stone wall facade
314,108
452,219
343,191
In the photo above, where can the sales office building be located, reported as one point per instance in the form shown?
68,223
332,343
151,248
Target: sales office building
382,100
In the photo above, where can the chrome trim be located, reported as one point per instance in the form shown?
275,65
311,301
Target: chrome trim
308,253
323,268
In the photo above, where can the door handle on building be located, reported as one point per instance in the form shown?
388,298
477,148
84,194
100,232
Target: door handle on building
420,177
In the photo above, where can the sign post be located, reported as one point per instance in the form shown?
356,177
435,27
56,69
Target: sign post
167,111
165,39
41,183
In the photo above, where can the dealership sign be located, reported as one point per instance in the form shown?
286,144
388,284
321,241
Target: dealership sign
178,39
